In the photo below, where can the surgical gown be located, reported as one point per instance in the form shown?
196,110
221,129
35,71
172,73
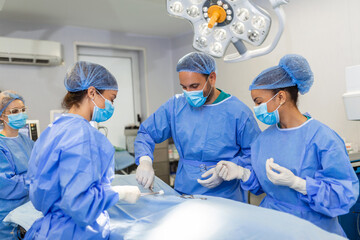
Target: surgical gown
203,135
14,156
315,153
70,170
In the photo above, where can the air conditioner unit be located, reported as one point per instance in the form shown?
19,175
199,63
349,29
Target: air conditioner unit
30,52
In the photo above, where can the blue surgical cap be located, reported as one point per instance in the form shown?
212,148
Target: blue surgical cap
293,70
198,62
86,74
7,97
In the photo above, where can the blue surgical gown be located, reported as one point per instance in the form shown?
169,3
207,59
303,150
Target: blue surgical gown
70,171
14,156
315,153
204,135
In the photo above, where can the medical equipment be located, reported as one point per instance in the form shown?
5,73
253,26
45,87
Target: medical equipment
204,168
192,197
161,192
216,23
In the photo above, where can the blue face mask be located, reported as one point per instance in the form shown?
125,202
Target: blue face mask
264,116
102,114
17,121
196,98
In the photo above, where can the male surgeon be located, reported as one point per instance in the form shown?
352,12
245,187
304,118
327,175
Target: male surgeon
207,125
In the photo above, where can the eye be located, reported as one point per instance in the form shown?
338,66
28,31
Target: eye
14,111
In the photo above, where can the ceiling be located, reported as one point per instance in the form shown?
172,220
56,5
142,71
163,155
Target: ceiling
143,17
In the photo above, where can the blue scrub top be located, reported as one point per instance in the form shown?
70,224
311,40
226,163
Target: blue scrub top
203,135
315,153
14,156
71,169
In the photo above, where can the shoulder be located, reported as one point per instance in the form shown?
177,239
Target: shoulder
26,139
70,130
236,107
175,103
323,135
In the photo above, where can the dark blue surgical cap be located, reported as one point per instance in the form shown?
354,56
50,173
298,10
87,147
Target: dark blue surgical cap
293,70
86,74
198,62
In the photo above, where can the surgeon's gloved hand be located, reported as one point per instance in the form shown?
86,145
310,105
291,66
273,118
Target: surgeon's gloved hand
145,172
128,194
285,177
229,171
212,181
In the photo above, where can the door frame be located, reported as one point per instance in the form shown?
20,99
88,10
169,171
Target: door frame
143,79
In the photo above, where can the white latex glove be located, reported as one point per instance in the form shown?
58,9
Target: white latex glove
128,194
212,181
285,177
145,172
229,171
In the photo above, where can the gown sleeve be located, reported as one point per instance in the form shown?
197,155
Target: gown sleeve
85,194
155,129
247,132
335,188
12,185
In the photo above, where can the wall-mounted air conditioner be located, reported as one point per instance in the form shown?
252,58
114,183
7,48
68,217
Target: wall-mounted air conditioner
30,52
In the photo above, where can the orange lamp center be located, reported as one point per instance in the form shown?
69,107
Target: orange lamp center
216,14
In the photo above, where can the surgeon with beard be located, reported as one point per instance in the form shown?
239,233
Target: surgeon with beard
207,125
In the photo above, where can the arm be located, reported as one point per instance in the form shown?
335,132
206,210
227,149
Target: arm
12,185
335,188
83,195
247,132
246,136
155,129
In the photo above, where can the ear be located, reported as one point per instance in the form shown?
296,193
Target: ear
91,92
212,79
282,96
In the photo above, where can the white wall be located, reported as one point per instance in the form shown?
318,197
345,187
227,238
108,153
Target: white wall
327,33
43,88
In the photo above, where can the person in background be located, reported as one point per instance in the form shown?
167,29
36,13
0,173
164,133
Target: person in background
15,150
300,163
72,166
207,125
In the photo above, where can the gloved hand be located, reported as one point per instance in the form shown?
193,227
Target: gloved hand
229,171
285,177
212,181
145,172
128,194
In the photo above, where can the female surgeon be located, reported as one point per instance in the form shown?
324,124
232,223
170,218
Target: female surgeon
300,163
15,150
71,166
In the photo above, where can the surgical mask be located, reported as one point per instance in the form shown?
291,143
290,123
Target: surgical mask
17,121
196,98
102,114
264,116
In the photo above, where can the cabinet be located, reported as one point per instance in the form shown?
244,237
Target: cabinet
161,161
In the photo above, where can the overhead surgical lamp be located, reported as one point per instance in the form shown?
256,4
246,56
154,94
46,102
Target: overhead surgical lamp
218,22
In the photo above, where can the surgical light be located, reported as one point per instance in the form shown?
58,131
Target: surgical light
217,23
